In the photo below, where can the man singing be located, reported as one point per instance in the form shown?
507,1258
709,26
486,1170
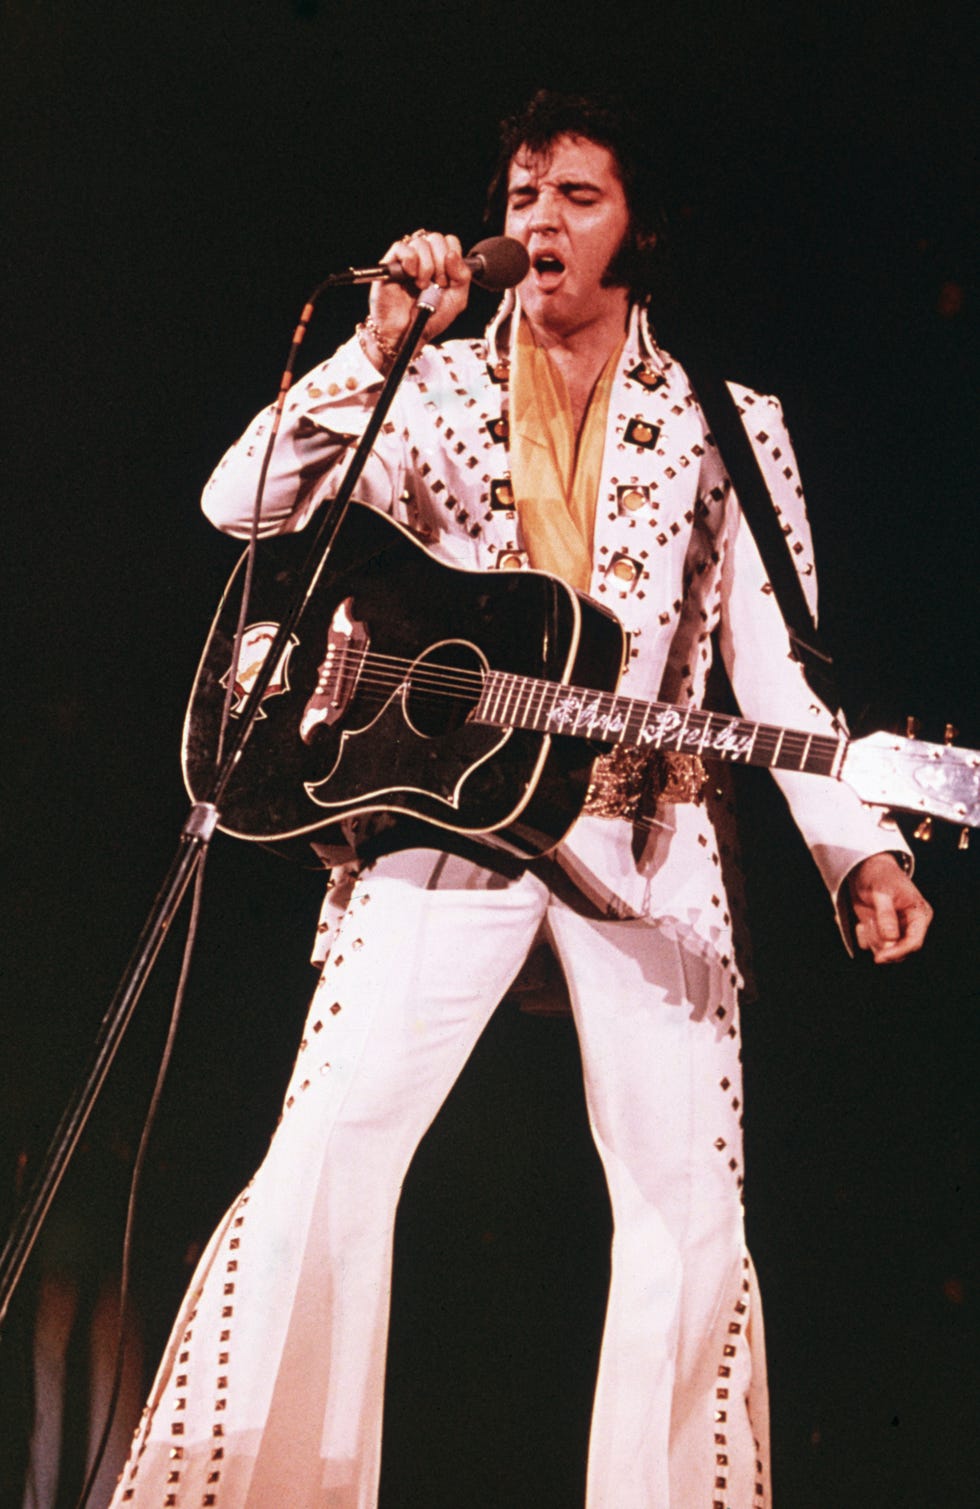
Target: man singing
566,441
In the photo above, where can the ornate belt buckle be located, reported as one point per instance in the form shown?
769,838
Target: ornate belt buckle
626,782
680,777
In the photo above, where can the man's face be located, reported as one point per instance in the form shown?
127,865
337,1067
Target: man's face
568,207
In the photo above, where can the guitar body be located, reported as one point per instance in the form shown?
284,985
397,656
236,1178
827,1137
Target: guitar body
367,711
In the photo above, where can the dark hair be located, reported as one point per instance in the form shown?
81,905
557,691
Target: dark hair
610,124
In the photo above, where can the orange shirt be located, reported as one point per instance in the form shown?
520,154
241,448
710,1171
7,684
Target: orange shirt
555,482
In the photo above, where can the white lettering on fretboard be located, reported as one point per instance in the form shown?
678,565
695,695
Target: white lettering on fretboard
573,713
667,726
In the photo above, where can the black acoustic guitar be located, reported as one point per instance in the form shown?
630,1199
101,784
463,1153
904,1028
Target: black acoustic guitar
476,701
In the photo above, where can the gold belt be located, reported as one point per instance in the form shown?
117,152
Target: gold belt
628,782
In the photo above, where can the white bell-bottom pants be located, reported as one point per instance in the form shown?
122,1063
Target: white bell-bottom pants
271,1390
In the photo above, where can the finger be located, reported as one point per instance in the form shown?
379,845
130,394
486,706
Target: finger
457,272
437,248
421,265
872,919
401,257
887,923
884,950
914,923
871,930
409,262
868,937
891,953
449,268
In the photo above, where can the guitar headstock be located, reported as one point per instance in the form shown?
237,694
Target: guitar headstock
913,775
924,830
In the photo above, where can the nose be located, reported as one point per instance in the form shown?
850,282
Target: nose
545,214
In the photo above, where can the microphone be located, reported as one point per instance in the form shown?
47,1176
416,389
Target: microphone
499,262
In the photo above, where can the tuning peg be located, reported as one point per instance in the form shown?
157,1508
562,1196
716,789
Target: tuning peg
924,831
951,732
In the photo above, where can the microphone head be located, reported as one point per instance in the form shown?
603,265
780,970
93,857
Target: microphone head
499,262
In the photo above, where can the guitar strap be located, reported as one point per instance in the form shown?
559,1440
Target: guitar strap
741,463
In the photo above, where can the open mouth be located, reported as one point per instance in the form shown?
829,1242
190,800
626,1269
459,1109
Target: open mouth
547,265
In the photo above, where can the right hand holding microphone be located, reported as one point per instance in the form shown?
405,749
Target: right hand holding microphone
424,257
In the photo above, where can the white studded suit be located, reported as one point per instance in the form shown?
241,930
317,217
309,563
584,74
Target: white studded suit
271,1389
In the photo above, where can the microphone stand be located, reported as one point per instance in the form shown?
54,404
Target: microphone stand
202,819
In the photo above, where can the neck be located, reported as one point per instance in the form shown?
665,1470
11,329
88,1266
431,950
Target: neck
580,354
590,342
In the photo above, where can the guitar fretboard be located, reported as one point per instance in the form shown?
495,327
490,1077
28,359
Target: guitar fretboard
546,707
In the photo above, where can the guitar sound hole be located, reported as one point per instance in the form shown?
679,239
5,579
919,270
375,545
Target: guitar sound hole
445,686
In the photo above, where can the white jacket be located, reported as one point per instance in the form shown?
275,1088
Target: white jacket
673,559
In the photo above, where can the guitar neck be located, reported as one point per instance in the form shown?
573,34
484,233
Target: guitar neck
548,707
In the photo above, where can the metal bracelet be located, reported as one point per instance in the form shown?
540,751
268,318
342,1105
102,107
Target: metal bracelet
388,349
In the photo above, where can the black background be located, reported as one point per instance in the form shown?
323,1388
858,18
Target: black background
181,176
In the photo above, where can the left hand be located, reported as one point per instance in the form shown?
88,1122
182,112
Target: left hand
892,915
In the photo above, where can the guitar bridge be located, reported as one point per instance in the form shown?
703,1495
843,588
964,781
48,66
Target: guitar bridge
338,674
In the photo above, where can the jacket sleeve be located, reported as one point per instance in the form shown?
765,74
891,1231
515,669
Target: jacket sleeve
325,413
839,829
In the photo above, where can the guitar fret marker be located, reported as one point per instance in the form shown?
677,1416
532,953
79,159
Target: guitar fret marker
578,710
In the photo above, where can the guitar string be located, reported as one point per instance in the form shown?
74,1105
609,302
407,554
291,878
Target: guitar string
426,679
766,736
440,680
